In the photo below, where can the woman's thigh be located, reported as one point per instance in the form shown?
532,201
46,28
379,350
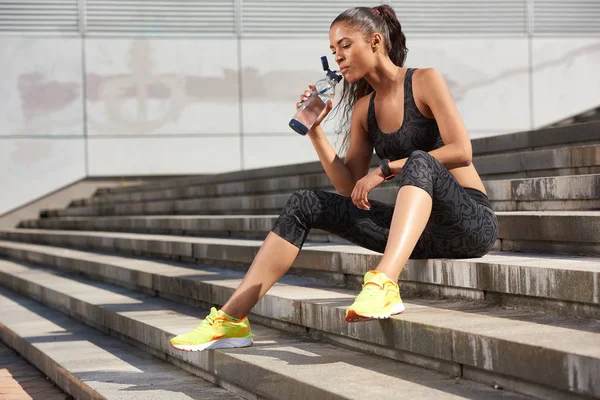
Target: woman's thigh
336,214
458,225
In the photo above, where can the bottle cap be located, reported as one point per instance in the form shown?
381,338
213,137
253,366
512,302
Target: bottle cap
330,74
325,63
334,77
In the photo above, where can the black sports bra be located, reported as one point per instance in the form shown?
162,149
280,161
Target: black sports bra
416,133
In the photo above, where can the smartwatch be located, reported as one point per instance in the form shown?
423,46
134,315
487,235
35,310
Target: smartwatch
386,170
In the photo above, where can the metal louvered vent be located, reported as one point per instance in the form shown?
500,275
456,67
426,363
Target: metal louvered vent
39,16
462,16
298,18
161,17
263,17
573,16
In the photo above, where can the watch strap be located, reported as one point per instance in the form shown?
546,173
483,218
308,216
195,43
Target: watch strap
386,170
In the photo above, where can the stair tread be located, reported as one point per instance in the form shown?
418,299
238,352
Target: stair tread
574,213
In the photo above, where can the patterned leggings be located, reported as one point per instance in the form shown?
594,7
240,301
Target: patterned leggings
461,224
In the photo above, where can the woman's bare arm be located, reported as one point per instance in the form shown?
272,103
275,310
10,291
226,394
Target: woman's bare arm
344,174
457,151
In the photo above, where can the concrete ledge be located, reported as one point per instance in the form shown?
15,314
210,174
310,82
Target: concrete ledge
574,282
88,364
481,337
278,365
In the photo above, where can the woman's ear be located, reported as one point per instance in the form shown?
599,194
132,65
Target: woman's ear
376,42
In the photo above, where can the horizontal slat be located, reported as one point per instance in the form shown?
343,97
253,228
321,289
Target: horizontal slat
116,31
206,13
144,3
37,18
25,3
149,24
149,18
27,9
15,13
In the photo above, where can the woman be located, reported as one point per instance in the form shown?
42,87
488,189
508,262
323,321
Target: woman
409,117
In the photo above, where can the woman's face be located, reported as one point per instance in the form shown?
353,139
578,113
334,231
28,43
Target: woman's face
352,53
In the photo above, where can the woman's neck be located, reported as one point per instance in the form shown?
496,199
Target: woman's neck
384,79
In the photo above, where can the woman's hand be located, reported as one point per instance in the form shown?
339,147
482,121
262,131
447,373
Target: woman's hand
364,186
323,113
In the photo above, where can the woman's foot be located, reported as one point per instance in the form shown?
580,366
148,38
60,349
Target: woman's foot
379,298
217,331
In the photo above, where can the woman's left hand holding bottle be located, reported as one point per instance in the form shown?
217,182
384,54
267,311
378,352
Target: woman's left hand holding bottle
323,114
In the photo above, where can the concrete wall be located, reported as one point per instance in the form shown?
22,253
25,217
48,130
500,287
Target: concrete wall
118,106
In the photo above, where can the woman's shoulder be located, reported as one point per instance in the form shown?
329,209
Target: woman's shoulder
427,77
428,85
363,102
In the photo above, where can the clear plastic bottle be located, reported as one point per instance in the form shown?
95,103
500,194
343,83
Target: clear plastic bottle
311,108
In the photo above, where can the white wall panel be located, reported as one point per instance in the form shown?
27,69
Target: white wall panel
32,168
264,151
40,86
162,86
488,78
566,78
155,156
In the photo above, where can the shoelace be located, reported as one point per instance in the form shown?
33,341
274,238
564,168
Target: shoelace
370,289
208,321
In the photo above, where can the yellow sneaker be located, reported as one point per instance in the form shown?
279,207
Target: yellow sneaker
379,298
217,331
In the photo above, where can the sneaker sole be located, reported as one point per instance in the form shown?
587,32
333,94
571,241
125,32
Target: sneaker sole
353,316
215,344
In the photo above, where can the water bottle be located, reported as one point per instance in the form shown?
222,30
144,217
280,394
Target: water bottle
311,108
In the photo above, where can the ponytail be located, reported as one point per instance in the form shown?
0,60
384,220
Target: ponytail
396,41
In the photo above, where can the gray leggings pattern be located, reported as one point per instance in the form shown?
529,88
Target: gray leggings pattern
459,227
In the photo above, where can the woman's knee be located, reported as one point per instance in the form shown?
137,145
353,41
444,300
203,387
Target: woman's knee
419,155
302,203
419,171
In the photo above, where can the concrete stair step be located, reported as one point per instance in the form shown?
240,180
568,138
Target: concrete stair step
88,364
540,163
574,192
541,194
553,232
526,141
278,366
585,116
557,193
545,138
558,285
